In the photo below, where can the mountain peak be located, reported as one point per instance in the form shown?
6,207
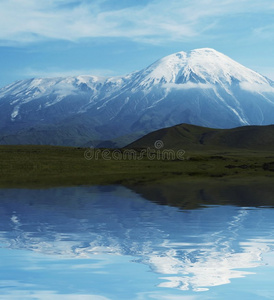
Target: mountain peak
204,65
202,87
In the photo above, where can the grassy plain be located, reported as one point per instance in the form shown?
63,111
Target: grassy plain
45,166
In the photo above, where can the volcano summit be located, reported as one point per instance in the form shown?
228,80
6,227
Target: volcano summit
202,87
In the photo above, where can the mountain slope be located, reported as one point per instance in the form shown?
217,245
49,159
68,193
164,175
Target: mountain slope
192,137
202,87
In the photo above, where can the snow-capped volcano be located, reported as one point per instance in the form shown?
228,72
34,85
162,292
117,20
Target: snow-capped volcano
202,87
200,66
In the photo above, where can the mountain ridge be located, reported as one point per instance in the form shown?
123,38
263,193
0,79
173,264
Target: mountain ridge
202,87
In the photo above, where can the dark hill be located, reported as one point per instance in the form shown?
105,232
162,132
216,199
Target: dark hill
191,137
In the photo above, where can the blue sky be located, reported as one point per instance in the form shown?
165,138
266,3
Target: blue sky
114,37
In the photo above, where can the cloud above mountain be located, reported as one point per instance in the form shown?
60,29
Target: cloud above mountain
146,21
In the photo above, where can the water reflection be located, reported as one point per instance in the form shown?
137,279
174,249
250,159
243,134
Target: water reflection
195,194
189,250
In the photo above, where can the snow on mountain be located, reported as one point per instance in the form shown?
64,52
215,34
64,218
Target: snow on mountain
200,66
54,90
202,87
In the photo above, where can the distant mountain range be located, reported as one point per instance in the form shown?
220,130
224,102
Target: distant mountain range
192,137
202,87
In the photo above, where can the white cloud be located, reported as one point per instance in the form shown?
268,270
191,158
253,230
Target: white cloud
256,88
48,295
160,296
213,268
188,85
31,20
23,290
30,72
265,32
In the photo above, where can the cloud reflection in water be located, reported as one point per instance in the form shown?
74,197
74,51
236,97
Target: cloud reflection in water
189,250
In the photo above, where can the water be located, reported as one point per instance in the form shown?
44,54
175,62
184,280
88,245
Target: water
110,243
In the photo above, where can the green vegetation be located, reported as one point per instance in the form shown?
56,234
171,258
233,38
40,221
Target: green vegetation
44,166
192,137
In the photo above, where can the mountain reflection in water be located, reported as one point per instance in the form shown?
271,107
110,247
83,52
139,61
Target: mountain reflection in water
192,249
